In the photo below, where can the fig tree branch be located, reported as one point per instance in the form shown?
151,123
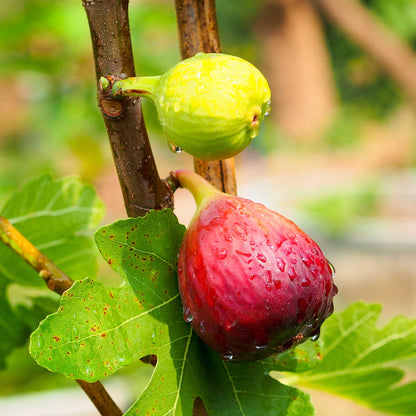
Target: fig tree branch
394,56
198,32
140,183
57,281
54,277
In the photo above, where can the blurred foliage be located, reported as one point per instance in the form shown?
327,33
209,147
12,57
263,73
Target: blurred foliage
48,80
336,212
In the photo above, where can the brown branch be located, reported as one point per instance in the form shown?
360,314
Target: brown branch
140,183
54,277
101,399
394,56
57,281
198,32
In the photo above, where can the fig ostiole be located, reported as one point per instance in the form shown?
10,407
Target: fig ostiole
210,105
252,284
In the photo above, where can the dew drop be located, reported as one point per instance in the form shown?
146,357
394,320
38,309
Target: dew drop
221,253
240,230
306,260
261,347
268,108
234,203
292,273
305,282
281,264
228,356
187,316
331,266
173,148
316,334
202,327
261,257
153,338
243,254
315,337
277,284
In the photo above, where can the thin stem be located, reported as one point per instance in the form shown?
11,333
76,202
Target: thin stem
54,277
135,87
140,183
198,32
57,281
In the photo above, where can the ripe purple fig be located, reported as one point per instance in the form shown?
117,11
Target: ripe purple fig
251,282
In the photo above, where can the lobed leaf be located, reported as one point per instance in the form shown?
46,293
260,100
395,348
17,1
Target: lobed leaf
98,329
56,216
358,358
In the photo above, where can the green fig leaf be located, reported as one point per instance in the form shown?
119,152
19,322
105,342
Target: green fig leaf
302,358
57,217
358,360
13,332
98,329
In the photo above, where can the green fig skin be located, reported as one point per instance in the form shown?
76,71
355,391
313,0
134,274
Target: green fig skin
210,105
252,283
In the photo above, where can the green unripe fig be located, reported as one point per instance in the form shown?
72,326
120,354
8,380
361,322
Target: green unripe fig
210,105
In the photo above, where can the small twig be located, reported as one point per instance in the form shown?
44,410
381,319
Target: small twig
54,277
57,281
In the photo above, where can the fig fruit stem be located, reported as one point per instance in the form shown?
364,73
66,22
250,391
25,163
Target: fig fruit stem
201,189
134,87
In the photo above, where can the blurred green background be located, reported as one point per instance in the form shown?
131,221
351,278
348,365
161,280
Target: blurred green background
347,173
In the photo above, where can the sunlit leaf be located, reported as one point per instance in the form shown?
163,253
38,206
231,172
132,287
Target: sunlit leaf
359,358
98,329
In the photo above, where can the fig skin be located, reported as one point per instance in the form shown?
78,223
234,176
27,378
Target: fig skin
210,105
251,282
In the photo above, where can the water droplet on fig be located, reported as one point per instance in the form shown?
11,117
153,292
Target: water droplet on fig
281,264
234,203
187,316
277,284
228,356
221,253
261,257
268,109
292,274
316,334
331,266
173,148
261,347
240,230
202,327
305,282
